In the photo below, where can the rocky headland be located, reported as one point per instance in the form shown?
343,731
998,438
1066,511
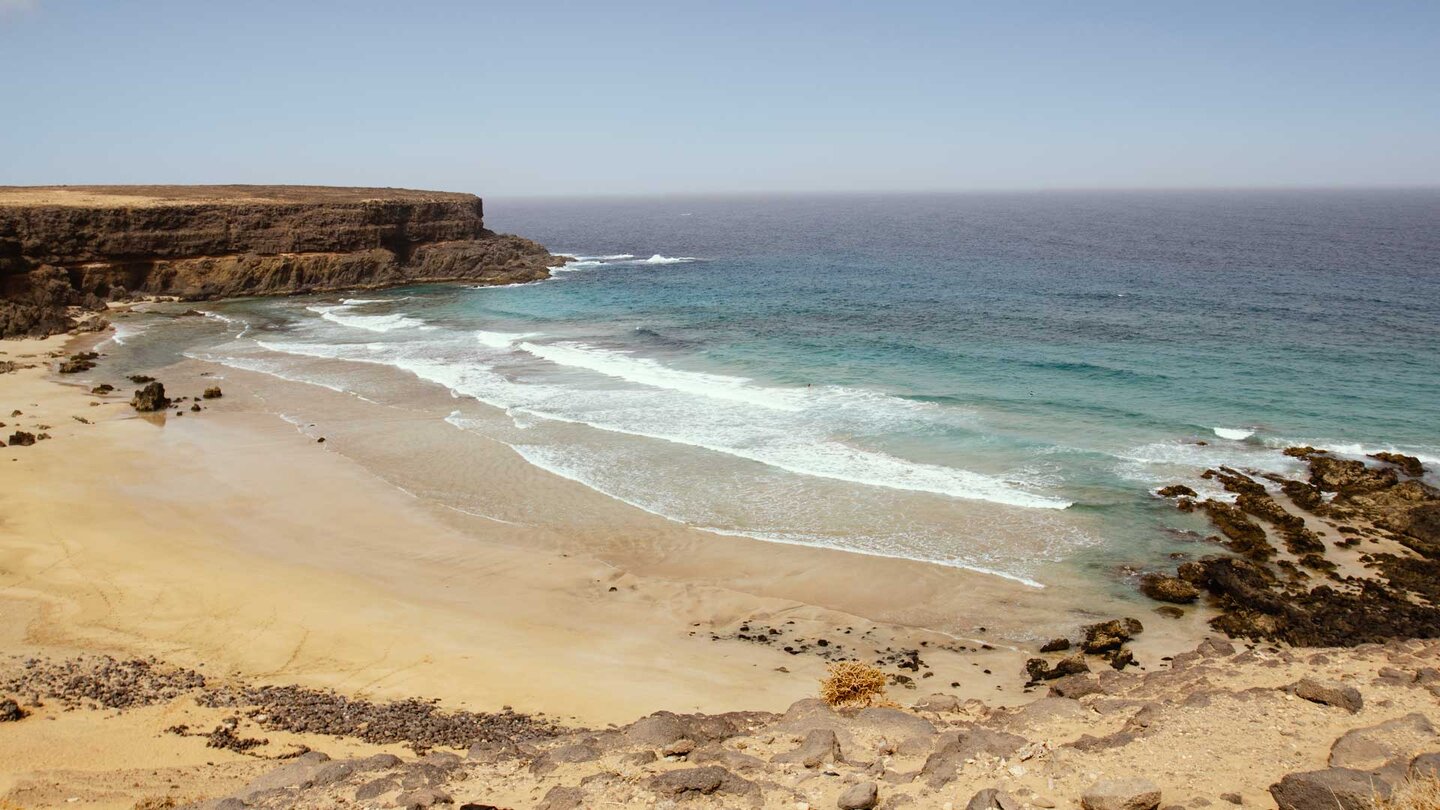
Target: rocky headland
65,251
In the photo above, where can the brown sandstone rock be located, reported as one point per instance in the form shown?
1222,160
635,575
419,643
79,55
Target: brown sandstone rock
76,246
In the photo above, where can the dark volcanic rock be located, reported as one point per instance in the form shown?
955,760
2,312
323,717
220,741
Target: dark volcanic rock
1168,589
1176,491
150,398
213,393
21,438
1106,636
10,711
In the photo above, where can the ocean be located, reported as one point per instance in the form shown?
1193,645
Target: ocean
992,381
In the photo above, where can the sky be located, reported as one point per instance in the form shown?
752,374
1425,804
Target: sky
536,98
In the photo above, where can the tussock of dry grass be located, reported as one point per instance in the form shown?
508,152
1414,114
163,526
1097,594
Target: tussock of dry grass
1421,793
851,683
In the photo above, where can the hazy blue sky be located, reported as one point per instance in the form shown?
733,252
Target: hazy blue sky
531,97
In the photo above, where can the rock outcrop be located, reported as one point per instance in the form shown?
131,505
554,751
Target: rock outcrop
71,248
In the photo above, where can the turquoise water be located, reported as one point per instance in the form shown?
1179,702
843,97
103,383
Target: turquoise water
994,381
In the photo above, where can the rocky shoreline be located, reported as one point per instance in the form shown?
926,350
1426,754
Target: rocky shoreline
1340,726
65,251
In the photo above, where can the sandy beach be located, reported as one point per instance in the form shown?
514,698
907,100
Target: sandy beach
250,546
231,540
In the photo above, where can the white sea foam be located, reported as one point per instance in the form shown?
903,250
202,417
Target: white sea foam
658,259
710,412
1234,434
121,333
270,369
374,323
614,257
1429,456
546,459
501,340
645,371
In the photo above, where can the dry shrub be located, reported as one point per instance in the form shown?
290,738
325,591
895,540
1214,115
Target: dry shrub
851,683
1416,793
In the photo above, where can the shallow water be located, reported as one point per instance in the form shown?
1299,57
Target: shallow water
992,381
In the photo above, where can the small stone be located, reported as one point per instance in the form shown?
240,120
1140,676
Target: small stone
1233,798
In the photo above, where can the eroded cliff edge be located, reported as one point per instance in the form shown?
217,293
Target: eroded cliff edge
69,247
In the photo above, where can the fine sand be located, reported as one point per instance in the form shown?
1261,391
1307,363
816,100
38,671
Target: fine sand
229,540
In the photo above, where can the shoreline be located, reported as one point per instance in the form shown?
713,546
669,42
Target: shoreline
230,542
356,538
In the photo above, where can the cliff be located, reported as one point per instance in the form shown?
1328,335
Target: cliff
65,247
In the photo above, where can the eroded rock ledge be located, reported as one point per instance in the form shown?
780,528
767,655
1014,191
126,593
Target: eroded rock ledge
69,249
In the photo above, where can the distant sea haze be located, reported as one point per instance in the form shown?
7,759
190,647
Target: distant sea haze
995,381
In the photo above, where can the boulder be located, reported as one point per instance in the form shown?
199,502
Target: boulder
1369,748
656,731
1330,789
150,398
1409,465
213,393
300,772
1106,636
562,798
1121,794
862,796
942,765
938,703
21,438
993,799
10,711
820,746
1076,686
1176,491
1349,477
565,754
1055,645
1329,693
1164,588
697,781
1425,766
424,797
376,788
1040,670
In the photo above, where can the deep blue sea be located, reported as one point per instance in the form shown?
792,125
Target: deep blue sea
997,381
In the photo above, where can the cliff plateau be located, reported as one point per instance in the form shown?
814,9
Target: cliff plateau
64,249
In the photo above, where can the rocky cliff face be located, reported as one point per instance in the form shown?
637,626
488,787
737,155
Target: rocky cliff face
79,246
